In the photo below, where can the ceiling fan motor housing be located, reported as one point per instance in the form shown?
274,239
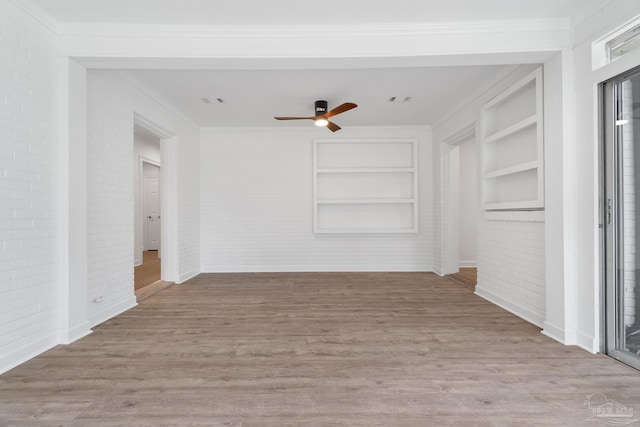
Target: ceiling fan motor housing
321,108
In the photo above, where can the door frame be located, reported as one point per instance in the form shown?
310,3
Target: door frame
168,197
610,217
450,209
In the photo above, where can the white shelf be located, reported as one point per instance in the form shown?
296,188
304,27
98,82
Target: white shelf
513,169
523,124
512,147
368,231
365,186
363,201
366,170
524,205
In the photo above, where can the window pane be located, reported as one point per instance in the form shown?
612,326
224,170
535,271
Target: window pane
624,43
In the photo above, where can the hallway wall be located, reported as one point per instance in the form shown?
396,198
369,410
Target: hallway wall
29,176
112,102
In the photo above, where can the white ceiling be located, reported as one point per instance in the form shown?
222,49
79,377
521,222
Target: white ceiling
254,94
297,12
253,97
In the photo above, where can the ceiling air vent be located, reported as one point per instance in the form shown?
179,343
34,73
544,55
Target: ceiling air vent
399,99
212,100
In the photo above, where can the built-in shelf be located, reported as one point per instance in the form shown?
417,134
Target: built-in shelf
511,170
365,170
367,231
363,201
365,186
512,147
529,121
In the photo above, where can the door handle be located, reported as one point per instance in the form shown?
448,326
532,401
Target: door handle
150,217
609,210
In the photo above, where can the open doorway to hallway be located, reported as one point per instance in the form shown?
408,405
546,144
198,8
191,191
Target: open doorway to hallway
147,217
462,210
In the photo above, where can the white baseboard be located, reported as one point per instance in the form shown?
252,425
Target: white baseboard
186,276
554,332
27,351
468,264
314,268
511,306
74,334
588,343
563,336
112,310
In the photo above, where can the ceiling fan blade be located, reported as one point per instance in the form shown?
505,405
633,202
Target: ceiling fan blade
294,118
341,109
333,127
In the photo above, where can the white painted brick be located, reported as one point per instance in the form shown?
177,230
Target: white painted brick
28,167
112,102
257,210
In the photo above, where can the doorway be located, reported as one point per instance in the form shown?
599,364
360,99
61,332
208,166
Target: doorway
620,218
461,209
147,215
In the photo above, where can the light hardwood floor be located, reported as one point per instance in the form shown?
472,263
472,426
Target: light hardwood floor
149,271
467,276
329,349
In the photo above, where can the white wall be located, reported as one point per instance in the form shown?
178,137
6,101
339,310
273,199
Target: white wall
29,274
511,257
468,205
257,211
588,302
112,102
146,148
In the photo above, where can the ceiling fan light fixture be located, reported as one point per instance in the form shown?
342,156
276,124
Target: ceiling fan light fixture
322,116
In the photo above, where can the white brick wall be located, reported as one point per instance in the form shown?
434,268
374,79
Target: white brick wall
511,263
112,102
110,196
29,299
257,210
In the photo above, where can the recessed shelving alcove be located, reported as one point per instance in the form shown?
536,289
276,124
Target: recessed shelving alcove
512,143
365,186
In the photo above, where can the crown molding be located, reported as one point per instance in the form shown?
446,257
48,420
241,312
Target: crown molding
586,11
299,31
136,83
498,77
313,31
38,14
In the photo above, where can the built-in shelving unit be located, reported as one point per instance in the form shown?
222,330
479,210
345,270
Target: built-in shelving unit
512,144
365,186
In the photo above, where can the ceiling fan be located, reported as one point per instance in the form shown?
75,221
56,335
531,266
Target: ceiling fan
322,115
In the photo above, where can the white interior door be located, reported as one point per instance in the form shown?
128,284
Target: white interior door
152,212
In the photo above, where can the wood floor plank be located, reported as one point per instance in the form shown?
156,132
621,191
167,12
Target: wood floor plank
149,271
313,349
467,276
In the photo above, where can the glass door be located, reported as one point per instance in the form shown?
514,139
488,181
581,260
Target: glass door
621,218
